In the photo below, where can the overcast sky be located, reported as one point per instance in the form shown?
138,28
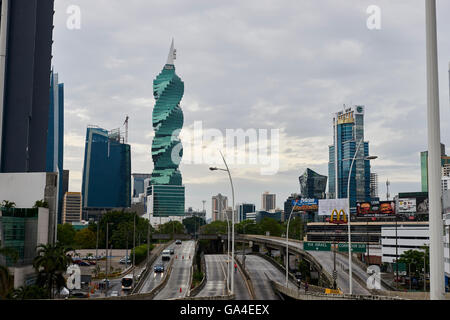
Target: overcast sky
286,65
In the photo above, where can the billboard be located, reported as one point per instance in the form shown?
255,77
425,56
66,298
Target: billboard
327,206
407,205
375,208
305,205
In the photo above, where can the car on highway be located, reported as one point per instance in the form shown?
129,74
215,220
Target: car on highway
159,268
178,241
166,254
172,250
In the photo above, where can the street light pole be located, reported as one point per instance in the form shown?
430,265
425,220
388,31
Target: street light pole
349,214
232,218
349,219
287,244
434,157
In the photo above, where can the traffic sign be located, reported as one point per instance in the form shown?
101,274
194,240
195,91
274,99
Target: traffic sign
317,246
356,247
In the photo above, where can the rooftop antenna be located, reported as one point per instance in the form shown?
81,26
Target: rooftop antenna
387,189
126,128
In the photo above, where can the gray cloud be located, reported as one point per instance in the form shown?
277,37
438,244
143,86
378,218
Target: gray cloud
255,64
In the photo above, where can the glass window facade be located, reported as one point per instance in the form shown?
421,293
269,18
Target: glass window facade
348,132
166,189
107,171
312,184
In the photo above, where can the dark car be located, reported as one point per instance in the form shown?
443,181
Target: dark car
79,294
178,242
172,251
159,268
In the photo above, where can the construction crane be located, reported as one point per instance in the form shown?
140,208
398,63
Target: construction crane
126,128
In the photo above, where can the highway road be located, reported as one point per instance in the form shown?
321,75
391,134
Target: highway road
325,258
155,278
216,270
258,268
181,272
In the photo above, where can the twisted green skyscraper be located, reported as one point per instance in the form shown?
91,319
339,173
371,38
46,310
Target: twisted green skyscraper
167,150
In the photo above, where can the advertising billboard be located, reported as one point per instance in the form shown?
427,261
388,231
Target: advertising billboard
407,205
327,206
305,205
375,208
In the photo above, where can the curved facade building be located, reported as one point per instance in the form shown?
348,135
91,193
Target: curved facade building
167,150
166,191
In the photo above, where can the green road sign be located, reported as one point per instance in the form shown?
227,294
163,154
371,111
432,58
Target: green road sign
356,247
401,267
317,246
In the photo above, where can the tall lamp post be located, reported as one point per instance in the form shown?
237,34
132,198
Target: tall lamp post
232,218
287,242
349,213
434,157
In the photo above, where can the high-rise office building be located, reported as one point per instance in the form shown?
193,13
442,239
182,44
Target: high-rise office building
312,185
166,194
25,59
373,185
65,181
268,201
138,183
107,170
55,136
72,209
219,204
243,209
348,133
445,162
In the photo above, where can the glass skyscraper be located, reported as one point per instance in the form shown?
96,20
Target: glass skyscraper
167,194
107,170
55,136
348,128
312,184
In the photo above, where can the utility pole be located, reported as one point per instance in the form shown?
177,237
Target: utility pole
134,244
434,157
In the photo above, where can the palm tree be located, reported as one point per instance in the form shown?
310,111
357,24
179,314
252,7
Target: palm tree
51,263
6,280
8,204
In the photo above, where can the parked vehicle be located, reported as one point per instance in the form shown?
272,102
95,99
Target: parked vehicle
124,260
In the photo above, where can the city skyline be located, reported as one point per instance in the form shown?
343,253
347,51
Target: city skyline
313,80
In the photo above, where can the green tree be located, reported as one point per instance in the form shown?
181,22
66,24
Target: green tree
415,260
214,227
6,279
8,204
29,292
193,224
41,204
66,234
295,228
271,225
171,227
247,227
51,263
85,239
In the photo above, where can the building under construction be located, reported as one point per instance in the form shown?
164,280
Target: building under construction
106,172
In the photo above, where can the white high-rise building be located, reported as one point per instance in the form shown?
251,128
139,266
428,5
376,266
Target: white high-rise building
268,202
219,205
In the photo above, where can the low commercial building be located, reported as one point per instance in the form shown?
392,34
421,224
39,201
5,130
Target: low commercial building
396,240
447,251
